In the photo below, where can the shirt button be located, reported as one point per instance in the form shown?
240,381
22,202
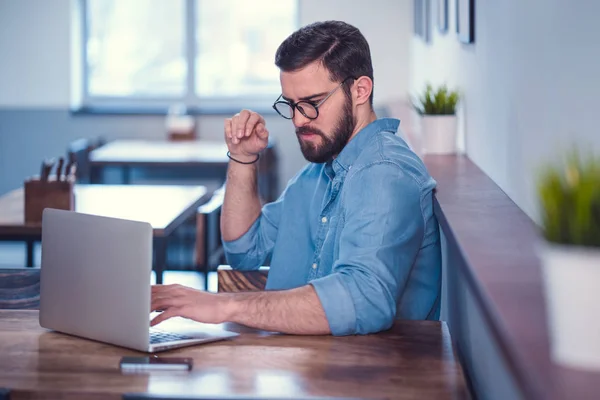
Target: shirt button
314,266
324,219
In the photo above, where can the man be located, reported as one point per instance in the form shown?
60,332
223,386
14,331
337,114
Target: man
353,240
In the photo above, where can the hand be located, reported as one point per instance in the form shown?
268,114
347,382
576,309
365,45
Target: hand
246,135
181,301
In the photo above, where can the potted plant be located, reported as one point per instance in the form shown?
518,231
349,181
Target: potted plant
569,198
437,108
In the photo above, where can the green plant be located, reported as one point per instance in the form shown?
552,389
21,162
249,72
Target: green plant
440,101
570,201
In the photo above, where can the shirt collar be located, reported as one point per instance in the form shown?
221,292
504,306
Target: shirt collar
351,151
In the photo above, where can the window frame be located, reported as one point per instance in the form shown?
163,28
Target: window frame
84,102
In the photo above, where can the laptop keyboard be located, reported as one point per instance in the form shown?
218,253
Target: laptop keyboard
162,337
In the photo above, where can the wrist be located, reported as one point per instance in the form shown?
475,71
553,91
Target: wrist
231,307
243,157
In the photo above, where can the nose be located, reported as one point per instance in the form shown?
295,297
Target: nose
299,119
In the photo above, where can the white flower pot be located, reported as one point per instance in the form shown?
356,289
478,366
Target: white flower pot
572,284
438,134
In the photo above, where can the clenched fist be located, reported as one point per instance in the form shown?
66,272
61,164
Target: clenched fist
246,135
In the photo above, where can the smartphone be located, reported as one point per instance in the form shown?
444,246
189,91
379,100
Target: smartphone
155,363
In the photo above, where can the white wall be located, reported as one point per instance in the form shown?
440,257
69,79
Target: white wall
36,73
530,84
386,24
34,53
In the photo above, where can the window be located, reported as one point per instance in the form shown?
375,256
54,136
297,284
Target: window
150,54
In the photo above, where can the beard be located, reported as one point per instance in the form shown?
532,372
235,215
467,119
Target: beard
329,146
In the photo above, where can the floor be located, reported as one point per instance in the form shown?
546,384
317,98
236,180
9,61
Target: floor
12,255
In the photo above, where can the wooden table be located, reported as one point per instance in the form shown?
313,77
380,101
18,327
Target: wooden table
207,159
414,360
128,154
164,207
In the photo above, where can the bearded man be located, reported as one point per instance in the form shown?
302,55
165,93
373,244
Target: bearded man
353,241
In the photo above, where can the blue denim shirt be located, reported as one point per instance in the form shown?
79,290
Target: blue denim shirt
359,229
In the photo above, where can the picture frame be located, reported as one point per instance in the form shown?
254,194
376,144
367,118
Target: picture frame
442,15
421,19
465,20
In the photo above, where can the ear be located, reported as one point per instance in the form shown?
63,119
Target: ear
361,90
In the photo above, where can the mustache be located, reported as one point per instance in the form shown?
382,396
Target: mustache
303,130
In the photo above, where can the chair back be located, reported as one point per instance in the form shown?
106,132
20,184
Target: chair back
230,280
79,152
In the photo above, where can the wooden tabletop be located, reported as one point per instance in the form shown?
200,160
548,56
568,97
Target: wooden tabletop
498,241
163,206
414,360
147,152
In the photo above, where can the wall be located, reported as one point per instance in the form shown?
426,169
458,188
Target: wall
35,53
529,82
35,82
530,89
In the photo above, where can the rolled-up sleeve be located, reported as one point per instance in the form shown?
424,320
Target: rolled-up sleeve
380,239
250,250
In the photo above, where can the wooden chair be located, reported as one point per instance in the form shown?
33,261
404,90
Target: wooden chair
231,280
268,167
209,251
19,289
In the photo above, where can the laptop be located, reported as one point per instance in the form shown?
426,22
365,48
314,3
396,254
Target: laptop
95,283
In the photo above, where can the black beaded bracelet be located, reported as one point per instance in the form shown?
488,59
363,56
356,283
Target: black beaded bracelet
243,162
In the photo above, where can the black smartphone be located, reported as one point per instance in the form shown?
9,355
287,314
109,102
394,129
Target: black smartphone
155,363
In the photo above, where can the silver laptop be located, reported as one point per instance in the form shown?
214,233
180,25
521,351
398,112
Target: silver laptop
95,283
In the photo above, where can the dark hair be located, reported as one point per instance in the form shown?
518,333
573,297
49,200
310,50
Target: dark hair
340,47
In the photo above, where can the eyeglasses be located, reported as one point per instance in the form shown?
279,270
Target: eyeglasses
309,109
